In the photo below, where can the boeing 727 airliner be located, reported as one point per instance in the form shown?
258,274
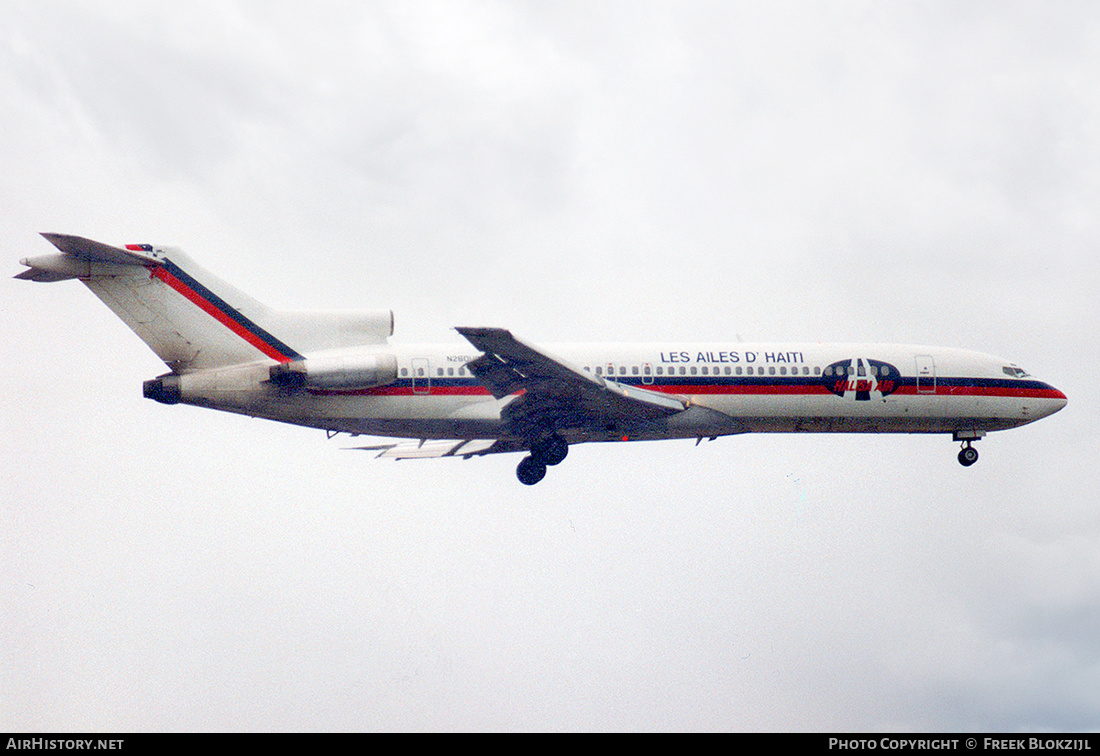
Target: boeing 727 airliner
337,371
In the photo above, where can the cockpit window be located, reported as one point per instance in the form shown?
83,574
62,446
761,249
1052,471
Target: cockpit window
1016,372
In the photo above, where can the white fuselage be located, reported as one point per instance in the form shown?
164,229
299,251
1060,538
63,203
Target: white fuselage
730,388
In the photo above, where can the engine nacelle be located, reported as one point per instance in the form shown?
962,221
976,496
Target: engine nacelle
338,369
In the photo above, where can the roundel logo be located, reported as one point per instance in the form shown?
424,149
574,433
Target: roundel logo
860,379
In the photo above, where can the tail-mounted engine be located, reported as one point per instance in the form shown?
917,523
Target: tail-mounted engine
342,369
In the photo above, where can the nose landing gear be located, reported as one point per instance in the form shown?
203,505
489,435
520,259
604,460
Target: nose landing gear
968,455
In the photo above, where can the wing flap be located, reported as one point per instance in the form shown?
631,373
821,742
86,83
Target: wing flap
659,402
432,449
496,375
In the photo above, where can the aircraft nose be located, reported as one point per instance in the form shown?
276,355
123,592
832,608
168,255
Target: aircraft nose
1055,400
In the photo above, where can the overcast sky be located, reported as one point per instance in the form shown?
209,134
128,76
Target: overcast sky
575,171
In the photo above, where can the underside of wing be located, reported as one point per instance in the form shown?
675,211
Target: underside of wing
555,394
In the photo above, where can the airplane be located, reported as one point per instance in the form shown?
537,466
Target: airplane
338,371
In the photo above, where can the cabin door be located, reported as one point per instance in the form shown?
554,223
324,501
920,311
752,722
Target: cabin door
421,375
926,374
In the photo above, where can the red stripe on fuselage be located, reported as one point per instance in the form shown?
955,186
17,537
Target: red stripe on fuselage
778,389
726,390
995,391
405,391
209,308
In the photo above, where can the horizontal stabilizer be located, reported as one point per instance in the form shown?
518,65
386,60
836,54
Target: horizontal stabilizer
93,251
41,275
77,258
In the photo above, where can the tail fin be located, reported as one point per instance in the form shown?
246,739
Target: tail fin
191,319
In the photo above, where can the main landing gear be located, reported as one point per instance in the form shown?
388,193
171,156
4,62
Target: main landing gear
968,455
530,471
548,451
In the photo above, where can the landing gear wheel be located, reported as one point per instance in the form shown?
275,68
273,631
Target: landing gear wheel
530,471
550,451
968,455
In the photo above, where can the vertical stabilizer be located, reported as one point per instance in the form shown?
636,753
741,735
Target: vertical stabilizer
192,319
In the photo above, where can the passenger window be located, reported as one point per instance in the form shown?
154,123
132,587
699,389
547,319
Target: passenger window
817,370
634,370
660,370
693,370
729,371
599,370
783,371
704,370
683,371
420,372
738,370
647,369
439,371
404,371
622,369
771,370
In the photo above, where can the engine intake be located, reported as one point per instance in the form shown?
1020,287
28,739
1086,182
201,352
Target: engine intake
164,389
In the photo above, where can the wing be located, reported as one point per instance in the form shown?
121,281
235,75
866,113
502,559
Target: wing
556,394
